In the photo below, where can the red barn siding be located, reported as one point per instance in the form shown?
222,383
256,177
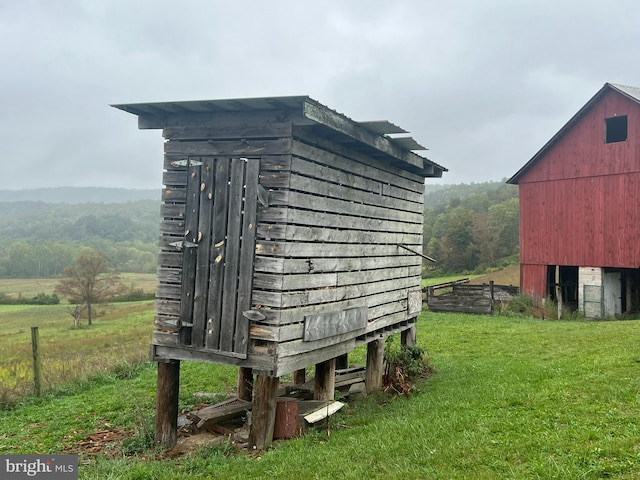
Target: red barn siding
581,152
582,222
533,279
580,200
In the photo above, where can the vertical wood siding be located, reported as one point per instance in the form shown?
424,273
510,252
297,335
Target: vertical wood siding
580,202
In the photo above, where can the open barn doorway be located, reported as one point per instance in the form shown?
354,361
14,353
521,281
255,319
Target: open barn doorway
562,285
629,290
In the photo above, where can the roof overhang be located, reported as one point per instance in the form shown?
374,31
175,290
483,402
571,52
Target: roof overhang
372,138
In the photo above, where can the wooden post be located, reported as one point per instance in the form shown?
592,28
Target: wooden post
245,383
408,336
491,284
375,359
263,413
325,380
168,386
558,292
342,362
37,361
299,376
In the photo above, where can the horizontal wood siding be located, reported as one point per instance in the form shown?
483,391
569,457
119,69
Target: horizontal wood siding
328,230
328,242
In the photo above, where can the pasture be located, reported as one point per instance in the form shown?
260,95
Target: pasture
30,287
120,334
511,397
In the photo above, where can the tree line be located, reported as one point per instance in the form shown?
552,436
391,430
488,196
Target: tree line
38,239
472,228
466,228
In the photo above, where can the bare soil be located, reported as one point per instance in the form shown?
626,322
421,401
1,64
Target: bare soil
506,276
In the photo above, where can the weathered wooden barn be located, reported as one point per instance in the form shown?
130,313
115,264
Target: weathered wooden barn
290,234
580,208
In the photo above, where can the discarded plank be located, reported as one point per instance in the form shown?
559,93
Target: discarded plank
220,412
323,412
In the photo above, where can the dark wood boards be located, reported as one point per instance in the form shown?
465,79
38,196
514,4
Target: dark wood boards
263,414
245,384
168,386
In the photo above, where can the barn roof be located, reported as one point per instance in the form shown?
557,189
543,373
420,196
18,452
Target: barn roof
631,92
372,138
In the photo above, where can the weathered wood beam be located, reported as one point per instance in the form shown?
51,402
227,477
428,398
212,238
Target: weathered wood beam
263,414
325,380
245,384
348,127
168,386
375,359
408,336
300,376
342,362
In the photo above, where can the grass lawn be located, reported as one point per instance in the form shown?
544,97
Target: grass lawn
513,398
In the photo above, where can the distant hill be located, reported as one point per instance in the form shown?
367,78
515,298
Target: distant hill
76,195
439,195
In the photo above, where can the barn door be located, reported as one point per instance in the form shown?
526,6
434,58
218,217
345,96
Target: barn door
218,251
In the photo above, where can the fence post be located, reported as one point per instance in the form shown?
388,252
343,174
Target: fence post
37,362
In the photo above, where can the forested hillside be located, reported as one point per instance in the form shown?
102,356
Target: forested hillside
467,228
39,239
471,227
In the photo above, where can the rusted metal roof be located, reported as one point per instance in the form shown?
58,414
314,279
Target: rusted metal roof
309,112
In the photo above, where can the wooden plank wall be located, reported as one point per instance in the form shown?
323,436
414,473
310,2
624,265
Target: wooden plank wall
254,136
328,242
328,229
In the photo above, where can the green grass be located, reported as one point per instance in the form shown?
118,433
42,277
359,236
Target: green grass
120,334
511,397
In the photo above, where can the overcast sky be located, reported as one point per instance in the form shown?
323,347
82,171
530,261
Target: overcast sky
482,84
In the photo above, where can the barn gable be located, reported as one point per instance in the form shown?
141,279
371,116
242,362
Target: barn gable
563,156
580,207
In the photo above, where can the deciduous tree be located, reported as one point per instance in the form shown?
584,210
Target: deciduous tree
90,281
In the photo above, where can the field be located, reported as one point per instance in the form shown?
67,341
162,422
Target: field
505,276
511,397
33,286
120,334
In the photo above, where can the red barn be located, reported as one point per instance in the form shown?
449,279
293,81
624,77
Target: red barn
580,208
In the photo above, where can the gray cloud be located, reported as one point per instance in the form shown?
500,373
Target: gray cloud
482,84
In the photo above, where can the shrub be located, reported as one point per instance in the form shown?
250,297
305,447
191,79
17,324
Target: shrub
40,299
134,295
404,365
